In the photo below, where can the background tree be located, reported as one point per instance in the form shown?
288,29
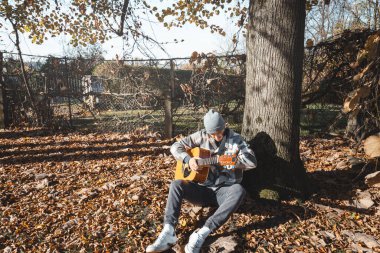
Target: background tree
86,22
44,18
329,18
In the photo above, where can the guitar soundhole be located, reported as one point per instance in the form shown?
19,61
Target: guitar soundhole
186,171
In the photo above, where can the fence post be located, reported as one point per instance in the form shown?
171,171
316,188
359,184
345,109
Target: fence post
168,103
69,91
2,93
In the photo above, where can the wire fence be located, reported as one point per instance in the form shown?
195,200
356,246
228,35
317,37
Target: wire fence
169,95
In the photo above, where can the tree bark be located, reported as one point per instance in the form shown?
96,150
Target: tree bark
120,32
274,75
24,76
376,14
2,94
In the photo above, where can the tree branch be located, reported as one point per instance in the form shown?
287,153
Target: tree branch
122,19
25,79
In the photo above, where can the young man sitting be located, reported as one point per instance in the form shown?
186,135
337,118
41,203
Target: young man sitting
222,188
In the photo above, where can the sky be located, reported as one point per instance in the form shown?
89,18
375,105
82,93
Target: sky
195,39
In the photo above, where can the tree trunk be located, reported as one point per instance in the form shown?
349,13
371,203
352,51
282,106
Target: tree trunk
2,93
376,14
274,75
24,76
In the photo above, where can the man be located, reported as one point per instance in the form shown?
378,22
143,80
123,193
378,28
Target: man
221,189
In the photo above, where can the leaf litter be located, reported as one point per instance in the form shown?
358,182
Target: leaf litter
97,192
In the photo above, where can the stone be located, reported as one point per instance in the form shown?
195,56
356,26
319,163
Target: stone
363,200
373,179
328,234
224,244
41,176
357,248
7,250
341,165
354,161
135,178
44,183
368,240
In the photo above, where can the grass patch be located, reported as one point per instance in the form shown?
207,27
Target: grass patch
314,118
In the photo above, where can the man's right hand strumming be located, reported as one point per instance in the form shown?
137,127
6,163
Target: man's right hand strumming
193,164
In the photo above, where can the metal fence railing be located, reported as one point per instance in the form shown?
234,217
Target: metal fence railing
169,95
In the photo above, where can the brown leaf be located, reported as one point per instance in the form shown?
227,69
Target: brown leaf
372,146
350,103
309,43
372,46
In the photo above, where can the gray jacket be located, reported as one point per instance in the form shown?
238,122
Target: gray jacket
217,174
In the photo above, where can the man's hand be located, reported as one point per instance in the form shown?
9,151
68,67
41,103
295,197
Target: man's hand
193,164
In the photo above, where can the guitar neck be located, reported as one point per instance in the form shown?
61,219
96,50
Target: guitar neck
207,161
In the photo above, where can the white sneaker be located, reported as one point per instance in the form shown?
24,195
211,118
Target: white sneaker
164,241
195,243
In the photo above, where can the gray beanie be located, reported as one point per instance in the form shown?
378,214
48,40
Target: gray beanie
213,122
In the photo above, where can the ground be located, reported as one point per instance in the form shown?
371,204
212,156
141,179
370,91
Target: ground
106,192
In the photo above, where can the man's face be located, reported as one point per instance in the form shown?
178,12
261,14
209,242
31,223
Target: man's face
218,135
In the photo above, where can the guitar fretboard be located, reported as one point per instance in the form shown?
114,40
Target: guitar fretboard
207,161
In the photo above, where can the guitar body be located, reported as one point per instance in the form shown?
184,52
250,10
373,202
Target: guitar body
184,172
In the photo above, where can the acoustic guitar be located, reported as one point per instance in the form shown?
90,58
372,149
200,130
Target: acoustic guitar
204,160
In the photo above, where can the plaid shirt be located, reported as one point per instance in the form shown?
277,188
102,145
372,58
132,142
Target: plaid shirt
218,175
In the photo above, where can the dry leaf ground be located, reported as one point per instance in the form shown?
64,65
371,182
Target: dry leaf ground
92,192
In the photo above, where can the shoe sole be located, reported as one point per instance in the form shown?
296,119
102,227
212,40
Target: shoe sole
189,251
170,246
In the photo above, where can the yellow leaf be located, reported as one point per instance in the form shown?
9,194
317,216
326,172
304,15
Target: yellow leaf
362,55
353,100
364,71
39,226
183,222
83,239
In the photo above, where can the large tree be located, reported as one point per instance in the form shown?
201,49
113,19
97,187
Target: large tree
273,86
274,73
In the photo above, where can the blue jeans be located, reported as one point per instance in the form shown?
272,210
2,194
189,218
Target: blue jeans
226,198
